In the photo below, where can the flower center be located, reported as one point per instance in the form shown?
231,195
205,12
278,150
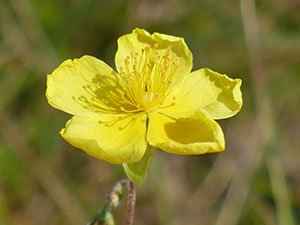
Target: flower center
146,79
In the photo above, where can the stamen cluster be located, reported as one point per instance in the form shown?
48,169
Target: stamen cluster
146,78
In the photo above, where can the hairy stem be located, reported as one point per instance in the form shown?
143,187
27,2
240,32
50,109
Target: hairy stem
105,216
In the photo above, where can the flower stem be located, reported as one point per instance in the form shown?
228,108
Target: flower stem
130,202
105,216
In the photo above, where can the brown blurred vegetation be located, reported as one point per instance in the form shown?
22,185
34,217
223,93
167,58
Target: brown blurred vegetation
44,181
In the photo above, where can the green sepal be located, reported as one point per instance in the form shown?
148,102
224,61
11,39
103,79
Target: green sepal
136,172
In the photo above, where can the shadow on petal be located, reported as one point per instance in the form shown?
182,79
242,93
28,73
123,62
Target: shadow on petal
102,94
189,131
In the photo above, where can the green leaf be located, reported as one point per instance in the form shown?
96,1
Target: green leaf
136,172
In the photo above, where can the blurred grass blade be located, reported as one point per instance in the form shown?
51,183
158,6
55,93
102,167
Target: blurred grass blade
280,191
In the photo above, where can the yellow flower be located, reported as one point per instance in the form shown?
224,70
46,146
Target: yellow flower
153,98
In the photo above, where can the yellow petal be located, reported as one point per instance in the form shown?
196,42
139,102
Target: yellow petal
83,85
194,135
113,138
139,38
205,89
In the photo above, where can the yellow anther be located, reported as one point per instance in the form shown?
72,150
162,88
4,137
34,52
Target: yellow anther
127,60
156,45
166,55
122,92
135,69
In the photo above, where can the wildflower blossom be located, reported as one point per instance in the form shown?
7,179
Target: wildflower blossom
153,99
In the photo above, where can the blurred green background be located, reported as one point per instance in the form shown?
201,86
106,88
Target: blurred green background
44,180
